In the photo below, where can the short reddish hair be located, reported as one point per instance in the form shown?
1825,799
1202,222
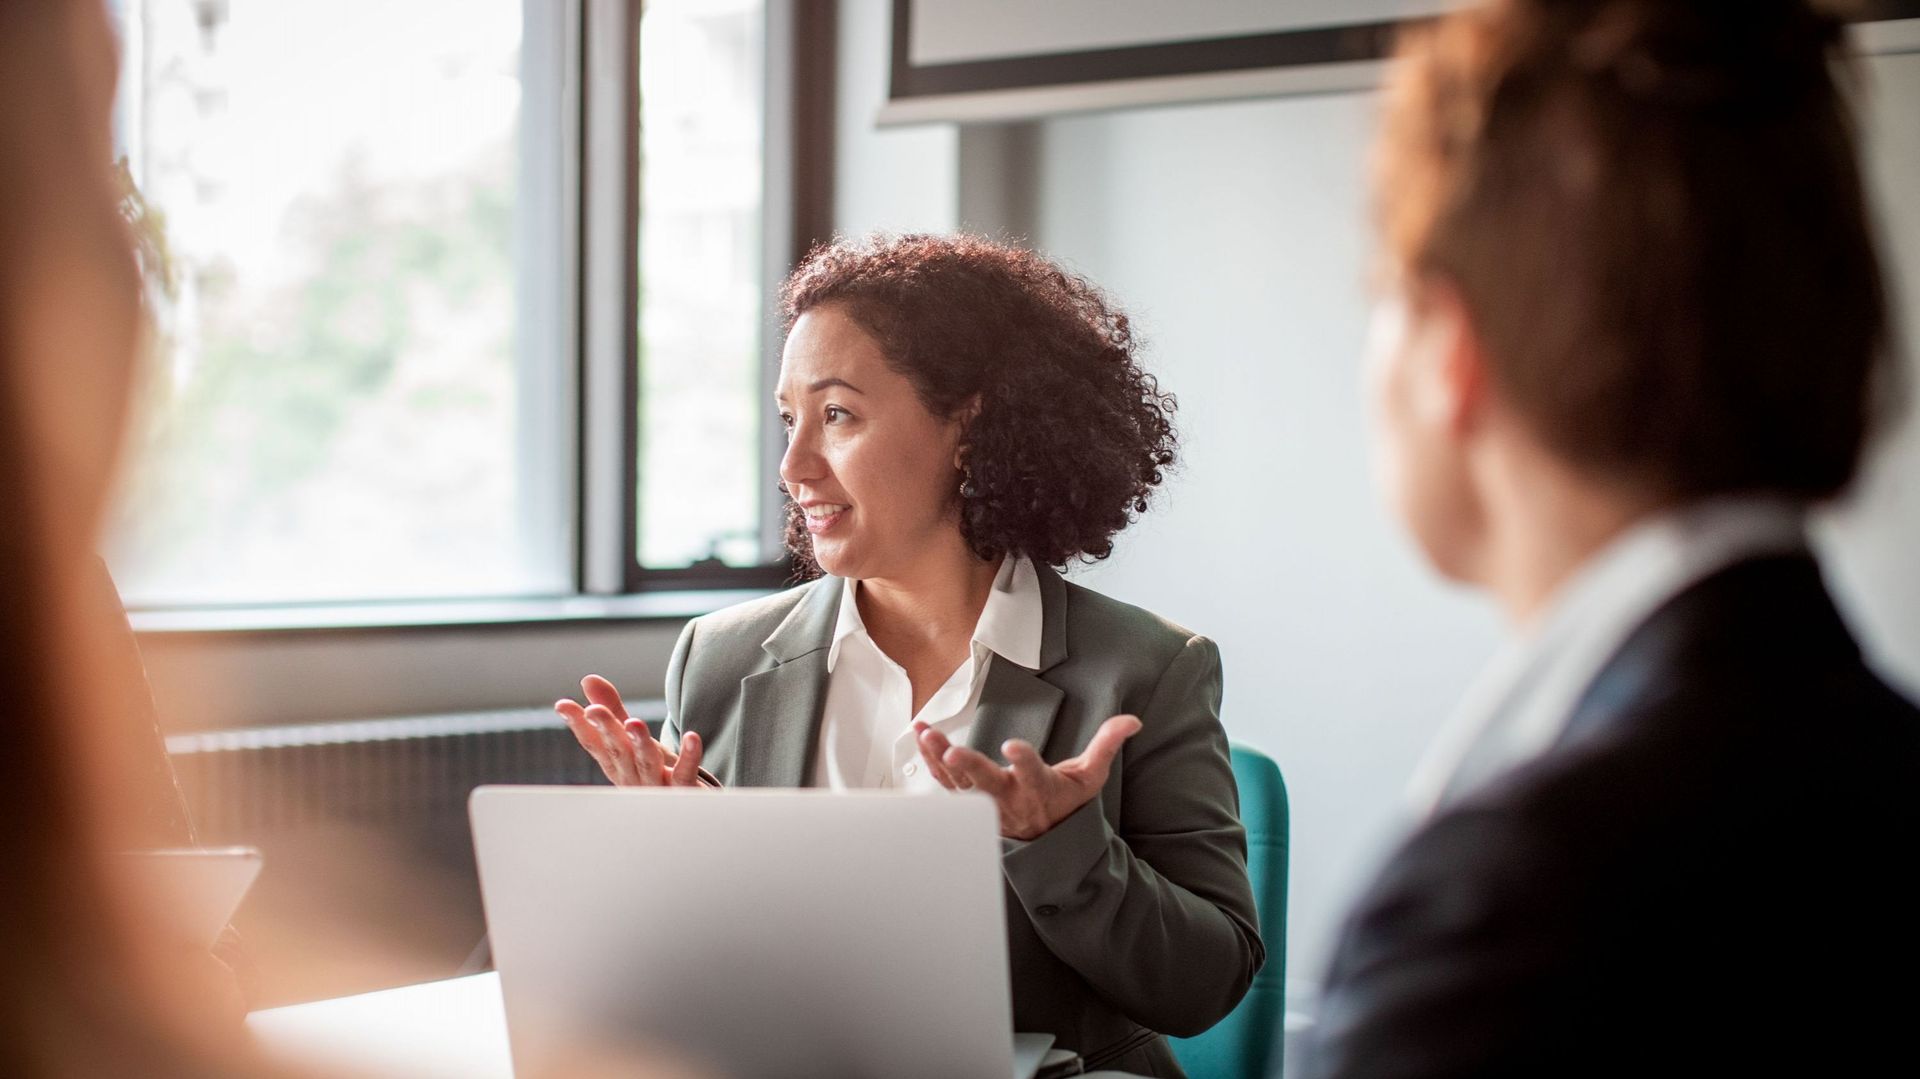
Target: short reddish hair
1653,210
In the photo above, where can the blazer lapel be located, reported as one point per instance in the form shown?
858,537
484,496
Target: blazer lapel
780,710
780,707
1016,702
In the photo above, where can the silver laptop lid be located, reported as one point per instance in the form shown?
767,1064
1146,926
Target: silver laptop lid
768,933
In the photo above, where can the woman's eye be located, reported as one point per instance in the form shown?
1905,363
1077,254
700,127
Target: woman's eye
835,413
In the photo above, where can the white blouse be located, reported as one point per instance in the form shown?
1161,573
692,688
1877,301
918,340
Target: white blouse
866,727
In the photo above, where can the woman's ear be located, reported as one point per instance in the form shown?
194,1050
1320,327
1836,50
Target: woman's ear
1450,369
964,417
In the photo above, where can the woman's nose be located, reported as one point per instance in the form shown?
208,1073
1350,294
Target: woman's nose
803,462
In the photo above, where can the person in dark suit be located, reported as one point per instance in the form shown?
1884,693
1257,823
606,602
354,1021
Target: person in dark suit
962,418
1632,330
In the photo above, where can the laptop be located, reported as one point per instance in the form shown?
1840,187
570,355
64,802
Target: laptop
763,933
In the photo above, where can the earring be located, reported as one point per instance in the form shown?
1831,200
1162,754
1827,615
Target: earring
967,489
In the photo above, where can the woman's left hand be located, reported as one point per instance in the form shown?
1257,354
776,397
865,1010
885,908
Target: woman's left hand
1033,795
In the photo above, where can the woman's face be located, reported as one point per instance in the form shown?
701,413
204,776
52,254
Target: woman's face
874,471
74,320
1418,455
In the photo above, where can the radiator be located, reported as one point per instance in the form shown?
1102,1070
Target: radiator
400,772
314,797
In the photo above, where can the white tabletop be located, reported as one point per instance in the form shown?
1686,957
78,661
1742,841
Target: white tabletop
454,1029
440,1030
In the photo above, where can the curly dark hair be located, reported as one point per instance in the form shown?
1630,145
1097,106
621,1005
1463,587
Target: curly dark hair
1071,436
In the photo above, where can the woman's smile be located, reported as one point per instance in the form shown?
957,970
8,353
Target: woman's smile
822,516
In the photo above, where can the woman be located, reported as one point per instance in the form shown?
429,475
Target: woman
92,982
962,417
1634,331
88,985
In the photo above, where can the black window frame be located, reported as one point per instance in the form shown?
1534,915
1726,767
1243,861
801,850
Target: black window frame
797,179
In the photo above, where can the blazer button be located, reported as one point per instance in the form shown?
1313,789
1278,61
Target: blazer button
1047,911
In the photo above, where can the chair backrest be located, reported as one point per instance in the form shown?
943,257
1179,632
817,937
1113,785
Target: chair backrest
1246,1044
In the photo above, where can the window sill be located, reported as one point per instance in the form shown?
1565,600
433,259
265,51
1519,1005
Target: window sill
436,614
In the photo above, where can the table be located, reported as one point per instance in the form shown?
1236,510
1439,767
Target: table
452,1029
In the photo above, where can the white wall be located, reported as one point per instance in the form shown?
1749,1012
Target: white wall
902,179
1236,234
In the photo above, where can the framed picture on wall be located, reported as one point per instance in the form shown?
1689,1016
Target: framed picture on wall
996,60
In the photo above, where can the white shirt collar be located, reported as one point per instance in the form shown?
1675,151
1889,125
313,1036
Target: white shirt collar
1522,702
1009,626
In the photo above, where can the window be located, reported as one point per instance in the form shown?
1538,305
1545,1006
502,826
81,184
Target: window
373,368
702,396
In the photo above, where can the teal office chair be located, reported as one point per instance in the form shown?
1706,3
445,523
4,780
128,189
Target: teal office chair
1247,1043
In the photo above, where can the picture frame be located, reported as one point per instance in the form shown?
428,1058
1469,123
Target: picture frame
1128,66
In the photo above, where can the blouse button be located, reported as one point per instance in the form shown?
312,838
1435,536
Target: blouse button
1047,911
912,767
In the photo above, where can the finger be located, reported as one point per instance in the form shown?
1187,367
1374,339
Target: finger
932,744
927,733
1106,744
584,732
649,756
621,745
601,692
618,745
974,765
1028,768
639,729
686,771
575,717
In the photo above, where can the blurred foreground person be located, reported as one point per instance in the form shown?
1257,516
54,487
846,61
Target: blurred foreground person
87,987
1633,330
90,983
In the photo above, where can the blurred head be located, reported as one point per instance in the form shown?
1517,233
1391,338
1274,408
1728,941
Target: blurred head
85,989
68,328
70,323
949,390
1633,233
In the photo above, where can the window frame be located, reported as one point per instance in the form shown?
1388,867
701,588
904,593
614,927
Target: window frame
582,326
797,209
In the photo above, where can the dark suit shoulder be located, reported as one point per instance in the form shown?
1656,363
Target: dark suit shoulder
1741,688
1739,718
1446,967
1715,824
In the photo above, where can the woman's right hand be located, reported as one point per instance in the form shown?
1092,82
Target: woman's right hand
623,747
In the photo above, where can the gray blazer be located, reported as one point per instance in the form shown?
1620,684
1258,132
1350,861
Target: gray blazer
1131,919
